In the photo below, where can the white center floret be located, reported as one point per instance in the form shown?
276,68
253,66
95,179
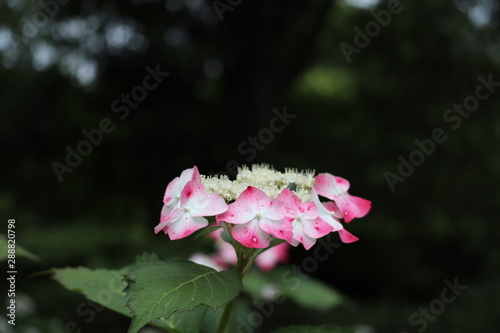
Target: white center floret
262,176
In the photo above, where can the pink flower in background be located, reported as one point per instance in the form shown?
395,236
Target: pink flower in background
225,257
194,203
257,216
307,226
335,188
206,260
268,259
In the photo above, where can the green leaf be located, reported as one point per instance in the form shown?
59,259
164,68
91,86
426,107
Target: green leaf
299,287
188,321
311,329
206,231
160,289
105,287
20,252
102,286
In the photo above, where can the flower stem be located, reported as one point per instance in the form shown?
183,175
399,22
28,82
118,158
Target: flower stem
225,317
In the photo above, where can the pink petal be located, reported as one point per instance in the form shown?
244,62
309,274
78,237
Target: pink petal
363,205
272,208
288,199
347,237
190,174
324,213
330,186
251,203
294,206
298,233
251,235
237,212
280,229
251,197
308,210
175,187
259,203
332,207
167,220
191,190
200,202
165,210
335,188
316,228
185,225
307,241
352,207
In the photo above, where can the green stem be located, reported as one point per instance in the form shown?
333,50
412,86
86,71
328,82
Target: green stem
240,267
247,266
225,317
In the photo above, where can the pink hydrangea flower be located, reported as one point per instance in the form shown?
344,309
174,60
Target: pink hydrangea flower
172,195
194,203
329,216
268,259
307,226
335,188
257,216
330,213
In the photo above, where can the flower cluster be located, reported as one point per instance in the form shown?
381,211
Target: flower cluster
262,203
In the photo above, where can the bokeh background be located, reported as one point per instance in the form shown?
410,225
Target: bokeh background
353,117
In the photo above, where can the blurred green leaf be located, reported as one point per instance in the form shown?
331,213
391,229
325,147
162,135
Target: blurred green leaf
21,252
302,289
311,329
160,289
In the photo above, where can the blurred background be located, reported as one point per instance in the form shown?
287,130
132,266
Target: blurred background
353,98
